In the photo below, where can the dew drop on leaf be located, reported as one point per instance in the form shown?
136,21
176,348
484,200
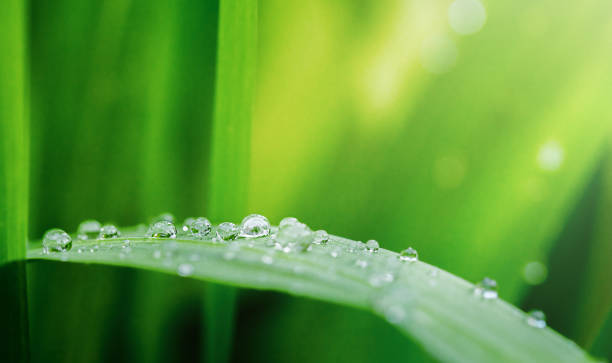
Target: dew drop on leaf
186,224
267,259
185,269
200,227
109,231
254,225
288,221
162,229
320,237
168,217
372,245
536,319
56,240
409,255
227,231
89,229
487,288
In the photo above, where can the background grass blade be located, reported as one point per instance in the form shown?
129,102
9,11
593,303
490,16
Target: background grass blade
14,174
437,309
230,152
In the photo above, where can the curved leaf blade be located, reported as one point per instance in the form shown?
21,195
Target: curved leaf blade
434,307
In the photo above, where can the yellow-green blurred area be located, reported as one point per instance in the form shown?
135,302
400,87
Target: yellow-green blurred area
474,131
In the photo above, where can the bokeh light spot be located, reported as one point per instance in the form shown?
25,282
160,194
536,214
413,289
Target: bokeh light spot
535,272
466,16
551,156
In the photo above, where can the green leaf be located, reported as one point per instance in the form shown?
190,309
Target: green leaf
438,310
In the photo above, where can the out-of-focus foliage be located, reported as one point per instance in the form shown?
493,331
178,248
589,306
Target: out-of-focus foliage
372,119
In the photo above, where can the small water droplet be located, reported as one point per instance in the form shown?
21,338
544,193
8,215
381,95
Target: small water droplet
267,259
109,231
200,227
254,225
487,288
536,319
372,245
288,221
227,231
320,237
335,253
409,255
89,229
361,263
395,314
229,255
162,229
186,224
168,217
381,279
185,269
157,254
56,240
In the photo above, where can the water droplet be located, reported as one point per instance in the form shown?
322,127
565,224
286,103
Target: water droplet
335,253
288,221
409,254
109,231
361,263
536,319
157,254
320,237
56,240
162,229
381,279
254,225
186,224
168,217
227,231
395,314
296,234
200,227
89,229
185,269
372,245
487,288
267,259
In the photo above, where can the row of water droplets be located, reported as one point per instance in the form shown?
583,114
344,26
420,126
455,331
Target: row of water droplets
290,236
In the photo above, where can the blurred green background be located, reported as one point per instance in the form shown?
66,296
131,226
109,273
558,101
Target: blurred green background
475,131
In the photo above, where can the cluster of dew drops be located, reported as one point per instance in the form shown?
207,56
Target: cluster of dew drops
291,234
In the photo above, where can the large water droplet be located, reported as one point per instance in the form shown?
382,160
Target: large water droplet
56,240
254,225
185,269
227,231
409,255
162,229
200,227
109,231
89,229
372,245
536,318
487,288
